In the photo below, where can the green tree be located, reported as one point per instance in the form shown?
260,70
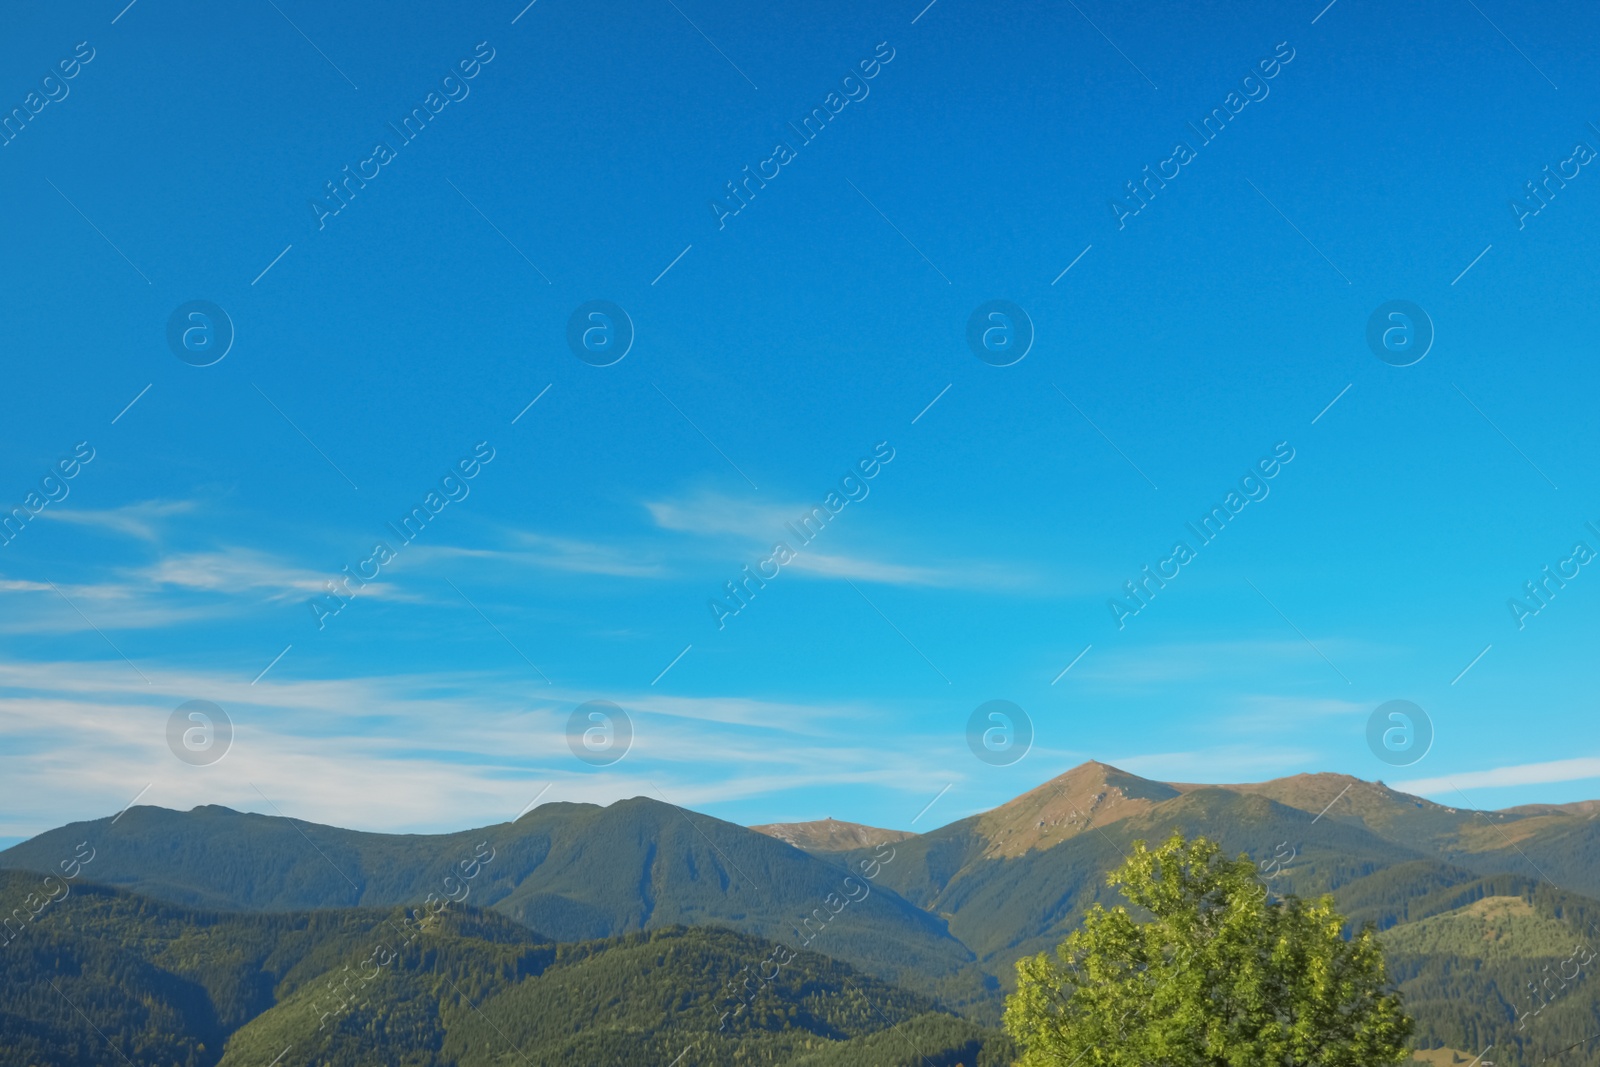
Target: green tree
1219,975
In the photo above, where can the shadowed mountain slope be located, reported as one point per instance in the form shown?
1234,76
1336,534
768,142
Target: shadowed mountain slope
570,871
102,976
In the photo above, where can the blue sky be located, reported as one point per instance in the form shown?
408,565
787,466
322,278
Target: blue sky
377,347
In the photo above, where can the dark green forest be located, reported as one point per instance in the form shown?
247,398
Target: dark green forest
104,974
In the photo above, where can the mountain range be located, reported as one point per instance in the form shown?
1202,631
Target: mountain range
611,934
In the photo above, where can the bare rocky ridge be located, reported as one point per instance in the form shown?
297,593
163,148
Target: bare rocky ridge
831,835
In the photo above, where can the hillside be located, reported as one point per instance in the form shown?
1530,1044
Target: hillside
570,871
642,998
1586,808
1016,878
103,974
164,983
1004,906
1473,905
1508,969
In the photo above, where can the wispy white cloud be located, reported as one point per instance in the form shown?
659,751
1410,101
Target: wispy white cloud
38,607
553,553
175,588
19,585
710,514
234,571
1265,712
404,753
823,565
745,527
1563,770
133,520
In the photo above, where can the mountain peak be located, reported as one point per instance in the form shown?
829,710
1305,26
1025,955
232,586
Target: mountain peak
1085,797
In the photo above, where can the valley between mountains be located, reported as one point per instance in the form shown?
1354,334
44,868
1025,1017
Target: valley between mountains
643,933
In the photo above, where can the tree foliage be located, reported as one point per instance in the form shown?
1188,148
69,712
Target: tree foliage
1214,972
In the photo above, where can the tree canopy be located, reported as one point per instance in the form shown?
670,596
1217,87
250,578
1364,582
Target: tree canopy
1213,972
